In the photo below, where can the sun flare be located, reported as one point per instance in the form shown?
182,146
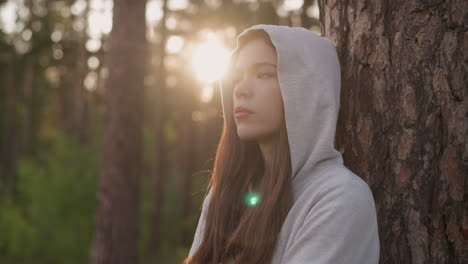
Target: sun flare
210,60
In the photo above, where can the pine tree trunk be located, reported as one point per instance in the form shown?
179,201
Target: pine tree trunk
306,22
115,237
80,98
29,123
160,167
9,138
30,118
403,119
187,148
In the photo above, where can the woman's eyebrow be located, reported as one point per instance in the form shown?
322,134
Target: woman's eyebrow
255,66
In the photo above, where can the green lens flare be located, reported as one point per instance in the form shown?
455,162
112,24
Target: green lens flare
252,199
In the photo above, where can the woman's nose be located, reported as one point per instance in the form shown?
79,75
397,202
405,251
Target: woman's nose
242,89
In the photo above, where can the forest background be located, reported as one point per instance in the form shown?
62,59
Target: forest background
110,114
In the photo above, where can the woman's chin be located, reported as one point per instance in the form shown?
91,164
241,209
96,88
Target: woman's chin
245,136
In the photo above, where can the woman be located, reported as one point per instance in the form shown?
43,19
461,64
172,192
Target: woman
280,103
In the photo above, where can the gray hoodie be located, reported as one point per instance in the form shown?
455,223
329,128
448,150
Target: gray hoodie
333,219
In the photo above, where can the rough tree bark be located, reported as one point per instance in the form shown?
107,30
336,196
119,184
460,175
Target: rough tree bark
115,237
403,120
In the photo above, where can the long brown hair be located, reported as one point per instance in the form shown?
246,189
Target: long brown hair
234,229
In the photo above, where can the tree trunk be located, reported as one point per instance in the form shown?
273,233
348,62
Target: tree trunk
306,21
187,149
160,164
116,232
28,132
80,98
403,119
9,139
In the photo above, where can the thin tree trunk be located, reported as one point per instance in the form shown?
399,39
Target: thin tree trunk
80,98
9,140
187,160
116,231
30,121
27,132
160,163
306,21
404,119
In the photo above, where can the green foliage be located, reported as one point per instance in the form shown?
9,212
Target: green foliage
50,218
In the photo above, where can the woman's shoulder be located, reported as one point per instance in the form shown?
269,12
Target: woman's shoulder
334,212
343,179
337,187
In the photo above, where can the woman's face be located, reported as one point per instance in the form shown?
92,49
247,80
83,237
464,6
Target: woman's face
257,89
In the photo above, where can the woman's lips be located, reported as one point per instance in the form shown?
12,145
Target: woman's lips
240,114
241,111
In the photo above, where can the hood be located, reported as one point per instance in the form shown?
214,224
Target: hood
310,82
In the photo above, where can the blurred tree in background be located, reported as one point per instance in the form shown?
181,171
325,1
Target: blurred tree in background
116,234
62,86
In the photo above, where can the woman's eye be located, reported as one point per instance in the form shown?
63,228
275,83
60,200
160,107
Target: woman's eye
263,75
